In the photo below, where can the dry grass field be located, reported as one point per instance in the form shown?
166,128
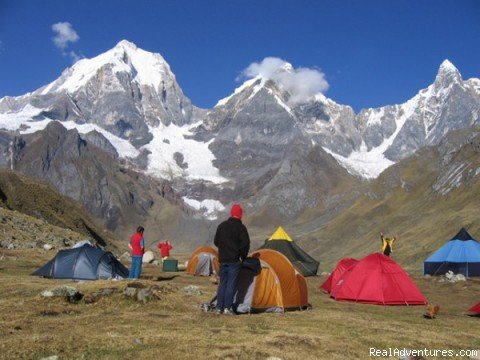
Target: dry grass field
174,327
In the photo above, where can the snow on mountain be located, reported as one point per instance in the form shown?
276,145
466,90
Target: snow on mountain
194,160
12,120
208,207
391,133
149,69
131,96
23,122
237,91
371,163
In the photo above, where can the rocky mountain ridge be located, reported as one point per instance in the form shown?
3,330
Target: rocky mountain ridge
262,145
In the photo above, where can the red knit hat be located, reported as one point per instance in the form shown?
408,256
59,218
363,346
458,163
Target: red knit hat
236,211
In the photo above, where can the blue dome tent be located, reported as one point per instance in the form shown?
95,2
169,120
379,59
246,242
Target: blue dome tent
461,255
83,263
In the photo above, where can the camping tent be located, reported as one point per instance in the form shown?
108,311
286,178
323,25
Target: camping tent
377,279
280,241
461,255
83,263
475,309
203,262
342,266
276,287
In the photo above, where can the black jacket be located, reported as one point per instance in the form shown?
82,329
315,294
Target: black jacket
232,241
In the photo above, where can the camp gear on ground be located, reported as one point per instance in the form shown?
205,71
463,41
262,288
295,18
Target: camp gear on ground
282,242
170,265
83,263
203,262
461,255
377,279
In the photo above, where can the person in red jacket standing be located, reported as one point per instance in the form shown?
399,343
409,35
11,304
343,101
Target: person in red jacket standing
137,248
164,247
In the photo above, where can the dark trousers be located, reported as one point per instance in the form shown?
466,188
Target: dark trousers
228,281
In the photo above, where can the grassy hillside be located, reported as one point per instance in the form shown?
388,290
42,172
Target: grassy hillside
39,200
424,200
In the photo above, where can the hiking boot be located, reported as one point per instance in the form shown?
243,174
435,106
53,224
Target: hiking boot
228,312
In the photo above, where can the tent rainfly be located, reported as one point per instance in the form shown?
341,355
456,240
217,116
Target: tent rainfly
342,266
273,285
461,255
283,243
377,279
203,262
83,263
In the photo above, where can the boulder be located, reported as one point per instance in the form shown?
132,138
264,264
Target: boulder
47,247
148,257
192,290
142,293
70,293
97,295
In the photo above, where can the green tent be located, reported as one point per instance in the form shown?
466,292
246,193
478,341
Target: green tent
282,242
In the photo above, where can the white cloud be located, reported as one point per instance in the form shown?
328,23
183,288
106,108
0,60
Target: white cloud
64,34
302,83
74,56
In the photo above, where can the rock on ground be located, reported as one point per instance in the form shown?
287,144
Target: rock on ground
148,257
192,290
60,291
144,294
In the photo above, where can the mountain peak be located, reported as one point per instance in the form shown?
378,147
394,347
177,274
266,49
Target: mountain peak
146,68
447,73
125,44
446,65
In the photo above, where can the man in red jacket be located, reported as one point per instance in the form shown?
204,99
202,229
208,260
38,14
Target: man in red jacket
137,248
165,248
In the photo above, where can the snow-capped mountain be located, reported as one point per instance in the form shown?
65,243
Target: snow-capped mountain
392,133
130,96
261,137
369,142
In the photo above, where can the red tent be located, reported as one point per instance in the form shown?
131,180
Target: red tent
475,309
340,269
377,279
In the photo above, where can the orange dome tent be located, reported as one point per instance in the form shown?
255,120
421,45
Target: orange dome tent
203,262
276,288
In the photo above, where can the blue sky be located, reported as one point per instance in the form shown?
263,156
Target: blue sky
372,53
